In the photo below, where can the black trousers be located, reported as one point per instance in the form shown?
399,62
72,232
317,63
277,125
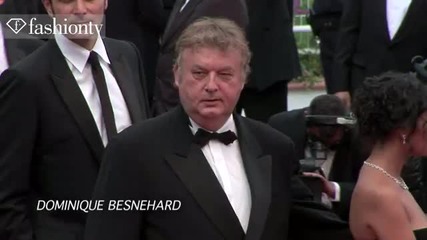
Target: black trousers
328,42
261,105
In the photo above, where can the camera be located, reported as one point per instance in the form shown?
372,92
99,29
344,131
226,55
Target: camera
318,154
317,150
420,66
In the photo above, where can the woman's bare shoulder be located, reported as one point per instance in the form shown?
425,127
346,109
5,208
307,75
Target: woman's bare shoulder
376,194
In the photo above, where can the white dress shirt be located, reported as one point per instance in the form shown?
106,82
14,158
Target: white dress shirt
226,162
77,60
396,12
3,57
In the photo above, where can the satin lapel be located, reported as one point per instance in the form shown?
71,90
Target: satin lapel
381,5
13,52
172,17
73,98
415,10
258,171
194,171
180,18
123,75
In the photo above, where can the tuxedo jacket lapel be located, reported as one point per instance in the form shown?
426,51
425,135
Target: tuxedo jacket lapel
381,5
192,168
258,171
123,75
412,17
172,16
74,100
177,22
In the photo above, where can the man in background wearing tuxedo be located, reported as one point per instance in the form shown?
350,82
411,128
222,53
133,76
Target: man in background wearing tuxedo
377,36
141,22
275,59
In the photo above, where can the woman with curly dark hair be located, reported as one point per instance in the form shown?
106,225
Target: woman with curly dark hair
391,110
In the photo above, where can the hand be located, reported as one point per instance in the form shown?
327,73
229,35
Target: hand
345,98
328,187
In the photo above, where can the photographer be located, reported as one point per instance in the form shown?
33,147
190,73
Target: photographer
324,136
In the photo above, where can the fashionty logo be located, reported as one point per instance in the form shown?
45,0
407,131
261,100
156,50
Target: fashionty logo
16,24
44,26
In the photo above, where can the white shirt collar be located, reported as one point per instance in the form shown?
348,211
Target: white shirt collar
78,55
228,125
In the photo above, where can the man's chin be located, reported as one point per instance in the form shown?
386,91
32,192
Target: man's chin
211,112
82,36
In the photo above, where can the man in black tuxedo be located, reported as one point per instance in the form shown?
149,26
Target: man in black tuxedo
275,59
230,174
182,15
141,22
59,108
377,36
324,19
324,123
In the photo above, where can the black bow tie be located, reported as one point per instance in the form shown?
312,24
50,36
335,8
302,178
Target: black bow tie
202,137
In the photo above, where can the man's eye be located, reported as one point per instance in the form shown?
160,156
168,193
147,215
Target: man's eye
66,1
199,74
226,75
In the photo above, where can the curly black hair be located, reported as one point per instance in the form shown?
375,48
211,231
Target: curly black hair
387,102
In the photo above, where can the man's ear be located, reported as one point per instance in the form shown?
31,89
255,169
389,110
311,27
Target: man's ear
48,7
176,74
105,4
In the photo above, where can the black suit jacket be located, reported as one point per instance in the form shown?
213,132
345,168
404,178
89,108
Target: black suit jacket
50,146
348,159
17,49
19,7
165,94
271,40
168,6
157,160
365,49
321,7
141,22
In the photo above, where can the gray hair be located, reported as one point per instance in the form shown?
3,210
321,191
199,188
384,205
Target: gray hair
217,33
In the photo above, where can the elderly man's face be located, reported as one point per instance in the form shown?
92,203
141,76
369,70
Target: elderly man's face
209,82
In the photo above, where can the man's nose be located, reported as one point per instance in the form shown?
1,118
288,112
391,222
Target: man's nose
212,85
80,7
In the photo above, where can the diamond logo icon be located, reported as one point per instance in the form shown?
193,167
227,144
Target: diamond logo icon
16,24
